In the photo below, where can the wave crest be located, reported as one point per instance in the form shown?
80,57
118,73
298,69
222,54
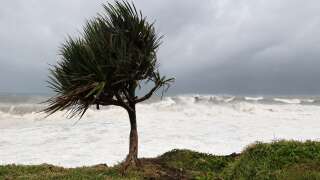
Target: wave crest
177,101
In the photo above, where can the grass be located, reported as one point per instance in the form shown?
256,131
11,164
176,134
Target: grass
277,160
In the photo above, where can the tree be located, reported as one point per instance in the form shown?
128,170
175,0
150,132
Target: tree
113,58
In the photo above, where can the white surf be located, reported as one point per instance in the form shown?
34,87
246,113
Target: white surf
183,122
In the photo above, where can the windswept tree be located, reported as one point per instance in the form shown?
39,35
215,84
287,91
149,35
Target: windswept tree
113,58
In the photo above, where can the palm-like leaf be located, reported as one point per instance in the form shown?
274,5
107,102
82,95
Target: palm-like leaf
117,50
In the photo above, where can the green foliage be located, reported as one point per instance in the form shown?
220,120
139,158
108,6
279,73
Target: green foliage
114,55
265,161
197,164
277,160
51,172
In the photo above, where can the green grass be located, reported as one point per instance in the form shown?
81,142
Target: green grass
277,160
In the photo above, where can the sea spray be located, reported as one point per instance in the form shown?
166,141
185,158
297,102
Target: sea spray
213,124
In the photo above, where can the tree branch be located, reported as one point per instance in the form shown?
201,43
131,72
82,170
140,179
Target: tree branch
149,94
127,96
124,104
109,102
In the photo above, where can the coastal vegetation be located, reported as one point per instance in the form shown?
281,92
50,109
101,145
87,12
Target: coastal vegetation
276,160
114,58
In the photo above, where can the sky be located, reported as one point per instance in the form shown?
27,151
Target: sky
209,46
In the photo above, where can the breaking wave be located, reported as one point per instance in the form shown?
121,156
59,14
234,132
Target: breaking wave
288,101
213,124
22,107
254,98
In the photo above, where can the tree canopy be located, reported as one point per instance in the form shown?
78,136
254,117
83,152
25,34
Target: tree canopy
115,54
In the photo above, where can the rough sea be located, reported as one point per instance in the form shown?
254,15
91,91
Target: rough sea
219,125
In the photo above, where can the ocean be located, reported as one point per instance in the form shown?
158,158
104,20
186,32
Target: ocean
219,125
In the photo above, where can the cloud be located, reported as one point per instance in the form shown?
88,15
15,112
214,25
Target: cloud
210,46
266,47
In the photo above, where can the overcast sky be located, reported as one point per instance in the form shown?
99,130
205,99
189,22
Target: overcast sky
210,46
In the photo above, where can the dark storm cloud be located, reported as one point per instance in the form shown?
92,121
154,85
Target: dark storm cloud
210,46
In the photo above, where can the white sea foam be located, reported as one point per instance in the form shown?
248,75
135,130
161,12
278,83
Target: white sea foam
230,99
288,101
20,108
178,122
254,98
308,100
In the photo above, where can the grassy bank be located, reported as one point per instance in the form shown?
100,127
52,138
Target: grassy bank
278,160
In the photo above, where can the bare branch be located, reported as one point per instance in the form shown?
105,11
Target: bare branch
149,94
159,82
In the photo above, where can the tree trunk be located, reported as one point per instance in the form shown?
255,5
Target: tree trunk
132,158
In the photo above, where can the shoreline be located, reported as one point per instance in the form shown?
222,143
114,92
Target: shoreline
276,160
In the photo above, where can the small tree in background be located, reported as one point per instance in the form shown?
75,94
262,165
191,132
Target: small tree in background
115,55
